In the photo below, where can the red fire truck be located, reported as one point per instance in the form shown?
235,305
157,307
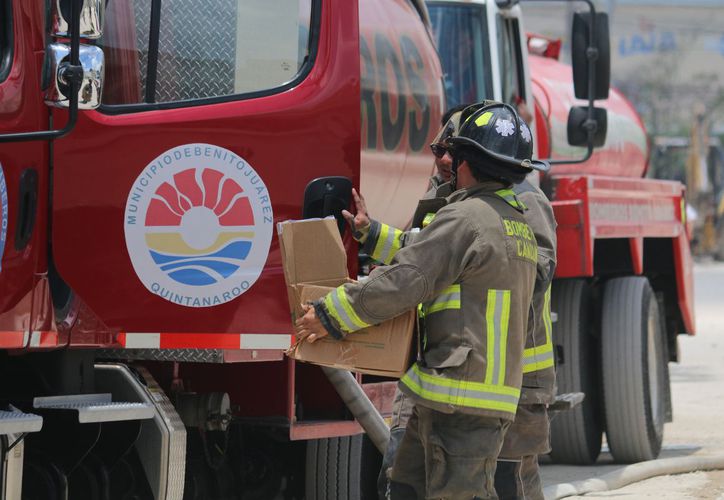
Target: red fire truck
623,287
143,312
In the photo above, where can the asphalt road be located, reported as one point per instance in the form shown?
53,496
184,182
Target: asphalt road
698,399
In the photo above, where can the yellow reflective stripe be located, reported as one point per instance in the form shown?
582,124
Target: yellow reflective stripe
381,238
538,358
541,357
534,366
387,245
547,317
428,219
340,309
441,306
449,298
490,336
461,392
509,196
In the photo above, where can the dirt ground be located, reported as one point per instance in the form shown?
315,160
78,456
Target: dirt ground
698,398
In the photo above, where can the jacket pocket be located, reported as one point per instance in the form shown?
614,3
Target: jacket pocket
446,356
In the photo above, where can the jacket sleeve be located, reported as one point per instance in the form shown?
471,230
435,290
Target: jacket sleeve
541,219
419,271
383,241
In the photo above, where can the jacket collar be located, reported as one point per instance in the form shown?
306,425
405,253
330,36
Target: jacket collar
485,187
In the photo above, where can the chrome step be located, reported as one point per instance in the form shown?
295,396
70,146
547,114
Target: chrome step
16,422
96,408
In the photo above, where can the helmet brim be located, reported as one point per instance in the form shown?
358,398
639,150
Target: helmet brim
530,165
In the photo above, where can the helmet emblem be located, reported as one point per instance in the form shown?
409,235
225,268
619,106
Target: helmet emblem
525,132
505,127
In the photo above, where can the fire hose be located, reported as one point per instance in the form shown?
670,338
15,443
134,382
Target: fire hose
360,405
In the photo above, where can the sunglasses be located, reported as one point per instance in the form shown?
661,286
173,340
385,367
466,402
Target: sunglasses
438,150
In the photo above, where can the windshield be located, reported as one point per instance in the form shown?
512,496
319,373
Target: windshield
461,35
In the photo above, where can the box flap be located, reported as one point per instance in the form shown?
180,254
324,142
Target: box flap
312,250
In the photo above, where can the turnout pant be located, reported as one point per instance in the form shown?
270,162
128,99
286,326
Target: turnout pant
447,456
517,475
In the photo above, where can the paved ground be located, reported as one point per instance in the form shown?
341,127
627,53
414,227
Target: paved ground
698,397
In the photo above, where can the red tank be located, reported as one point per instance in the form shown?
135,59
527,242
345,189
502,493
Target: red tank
625,153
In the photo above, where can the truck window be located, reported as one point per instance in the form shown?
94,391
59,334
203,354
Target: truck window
510,57
6,38
163,52
461,35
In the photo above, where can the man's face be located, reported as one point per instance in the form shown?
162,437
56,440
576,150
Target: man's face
444,167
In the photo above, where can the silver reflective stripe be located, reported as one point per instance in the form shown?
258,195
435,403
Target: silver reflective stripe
496,320
448,299
341,313
496,336
390,246
534,359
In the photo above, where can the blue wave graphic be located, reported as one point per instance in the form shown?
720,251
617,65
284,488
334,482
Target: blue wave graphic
199,270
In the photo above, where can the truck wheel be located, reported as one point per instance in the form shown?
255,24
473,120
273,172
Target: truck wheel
342,468
634,370
576,434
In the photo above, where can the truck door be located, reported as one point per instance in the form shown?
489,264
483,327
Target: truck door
23,165
215,117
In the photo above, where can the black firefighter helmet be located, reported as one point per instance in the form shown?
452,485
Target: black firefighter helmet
500,137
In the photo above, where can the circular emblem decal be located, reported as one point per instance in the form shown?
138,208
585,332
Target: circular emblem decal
3,214
198,225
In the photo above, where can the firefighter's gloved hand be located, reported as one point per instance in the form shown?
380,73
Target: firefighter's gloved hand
360,222
308,327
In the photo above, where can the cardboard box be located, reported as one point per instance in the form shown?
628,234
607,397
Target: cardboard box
315,262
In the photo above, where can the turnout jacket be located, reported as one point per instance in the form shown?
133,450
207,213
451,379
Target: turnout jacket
539,376
472,270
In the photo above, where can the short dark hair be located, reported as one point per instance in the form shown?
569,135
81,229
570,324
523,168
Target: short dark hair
485,170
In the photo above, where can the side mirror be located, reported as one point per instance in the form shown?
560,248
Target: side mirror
91,19
590,44
57,79
579,125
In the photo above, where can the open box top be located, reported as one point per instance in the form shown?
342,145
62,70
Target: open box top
315,262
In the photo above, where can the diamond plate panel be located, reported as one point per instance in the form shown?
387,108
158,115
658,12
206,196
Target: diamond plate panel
180,355
197,53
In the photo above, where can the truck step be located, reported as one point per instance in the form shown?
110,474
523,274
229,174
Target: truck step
565,402
96,407
16,422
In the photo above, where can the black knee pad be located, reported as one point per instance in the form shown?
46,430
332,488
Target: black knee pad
401,491
507,480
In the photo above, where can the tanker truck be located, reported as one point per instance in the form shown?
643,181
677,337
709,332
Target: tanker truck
623,285
147,150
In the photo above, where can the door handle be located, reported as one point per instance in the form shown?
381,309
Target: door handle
27,207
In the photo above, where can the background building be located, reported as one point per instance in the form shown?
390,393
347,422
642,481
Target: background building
667,57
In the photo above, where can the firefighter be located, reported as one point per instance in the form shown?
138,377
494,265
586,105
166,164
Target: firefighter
517,476
474,301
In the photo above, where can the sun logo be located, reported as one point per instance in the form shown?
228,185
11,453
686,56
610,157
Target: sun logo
200,229
198,225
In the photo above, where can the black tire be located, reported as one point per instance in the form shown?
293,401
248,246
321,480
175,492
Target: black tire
343,468
576,434
634,370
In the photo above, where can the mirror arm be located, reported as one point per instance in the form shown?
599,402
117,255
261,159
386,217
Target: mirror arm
72,73
592,54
